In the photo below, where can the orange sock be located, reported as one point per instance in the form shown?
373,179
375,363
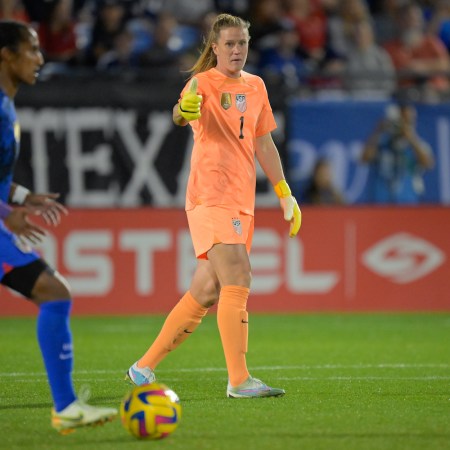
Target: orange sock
232,319
184,318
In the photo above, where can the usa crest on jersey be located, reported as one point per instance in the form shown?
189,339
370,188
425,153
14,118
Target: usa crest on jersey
241,102
237,225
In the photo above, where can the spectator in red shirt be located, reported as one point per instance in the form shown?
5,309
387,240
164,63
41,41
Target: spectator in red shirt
13,10
420,58
57,34
311,23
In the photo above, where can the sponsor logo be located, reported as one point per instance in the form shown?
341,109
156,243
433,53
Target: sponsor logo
403,258
241,102
67,351
225,100
237,225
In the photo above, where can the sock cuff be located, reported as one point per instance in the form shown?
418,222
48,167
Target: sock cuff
193,305
62,306
234,295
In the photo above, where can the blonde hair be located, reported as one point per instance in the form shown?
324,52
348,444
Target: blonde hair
207,58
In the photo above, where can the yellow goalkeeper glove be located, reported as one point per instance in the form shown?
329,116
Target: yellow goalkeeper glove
290,207
189,106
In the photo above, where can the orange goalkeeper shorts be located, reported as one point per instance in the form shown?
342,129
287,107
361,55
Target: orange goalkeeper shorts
210,225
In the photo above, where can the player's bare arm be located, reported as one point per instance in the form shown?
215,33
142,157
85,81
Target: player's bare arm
44,204
269,158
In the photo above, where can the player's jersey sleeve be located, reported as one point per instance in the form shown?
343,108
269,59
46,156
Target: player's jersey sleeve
9,144
266,122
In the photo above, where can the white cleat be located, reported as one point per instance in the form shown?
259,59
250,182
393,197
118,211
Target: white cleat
80,414
253,388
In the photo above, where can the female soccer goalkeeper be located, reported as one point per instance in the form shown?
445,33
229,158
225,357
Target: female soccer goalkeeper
231,118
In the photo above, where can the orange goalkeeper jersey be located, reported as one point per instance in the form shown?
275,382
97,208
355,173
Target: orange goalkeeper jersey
234,113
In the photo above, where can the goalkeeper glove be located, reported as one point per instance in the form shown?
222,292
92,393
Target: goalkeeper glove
189,106
290,207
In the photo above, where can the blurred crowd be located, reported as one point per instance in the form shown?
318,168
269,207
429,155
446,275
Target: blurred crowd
363,48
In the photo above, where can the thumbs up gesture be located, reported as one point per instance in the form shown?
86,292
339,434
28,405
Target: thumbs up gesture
189,106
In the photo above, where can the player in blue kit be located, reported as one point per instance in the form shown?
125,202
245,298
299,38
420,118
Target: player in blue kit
21,268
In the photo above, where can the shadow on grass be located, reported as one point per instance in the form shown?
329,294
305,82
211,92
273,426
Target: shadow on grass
94,401
27,406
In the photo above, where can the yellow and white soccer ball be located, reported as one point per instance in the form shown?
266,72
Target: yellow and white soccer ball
151,411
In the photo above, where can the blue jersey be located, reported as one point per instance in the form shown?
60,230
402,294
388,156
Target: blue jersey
13,253
9,144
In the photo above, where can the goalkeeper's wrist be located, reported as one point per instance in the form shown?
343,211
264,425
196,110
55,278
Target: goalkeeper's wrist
282,189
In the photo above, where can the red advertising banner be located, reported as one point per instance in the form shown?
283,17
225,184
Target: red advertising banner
140,261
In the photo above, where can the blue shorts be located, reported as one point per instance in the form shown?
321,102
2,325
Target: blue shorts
13,253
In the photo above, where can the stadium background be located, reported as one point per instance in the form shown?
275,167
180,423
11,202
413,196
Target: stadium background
104,139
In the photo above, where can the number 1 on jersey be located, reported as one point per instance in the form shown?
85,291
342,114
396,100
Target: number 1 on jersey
241,135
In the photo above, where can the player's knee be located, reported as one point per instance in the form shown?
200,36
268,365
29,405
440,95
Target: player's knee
208,295
241,278
50,287
207,302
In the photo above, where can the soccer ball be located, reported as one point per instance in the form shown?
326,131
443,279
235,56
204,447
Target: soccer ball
151,411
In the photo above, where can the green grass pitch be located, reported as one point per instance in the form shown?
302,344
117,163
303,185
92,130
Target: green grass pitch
353,381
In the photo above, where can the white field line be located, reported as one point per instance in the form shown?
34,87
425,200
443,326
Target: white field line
266,368
426,378
331,379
